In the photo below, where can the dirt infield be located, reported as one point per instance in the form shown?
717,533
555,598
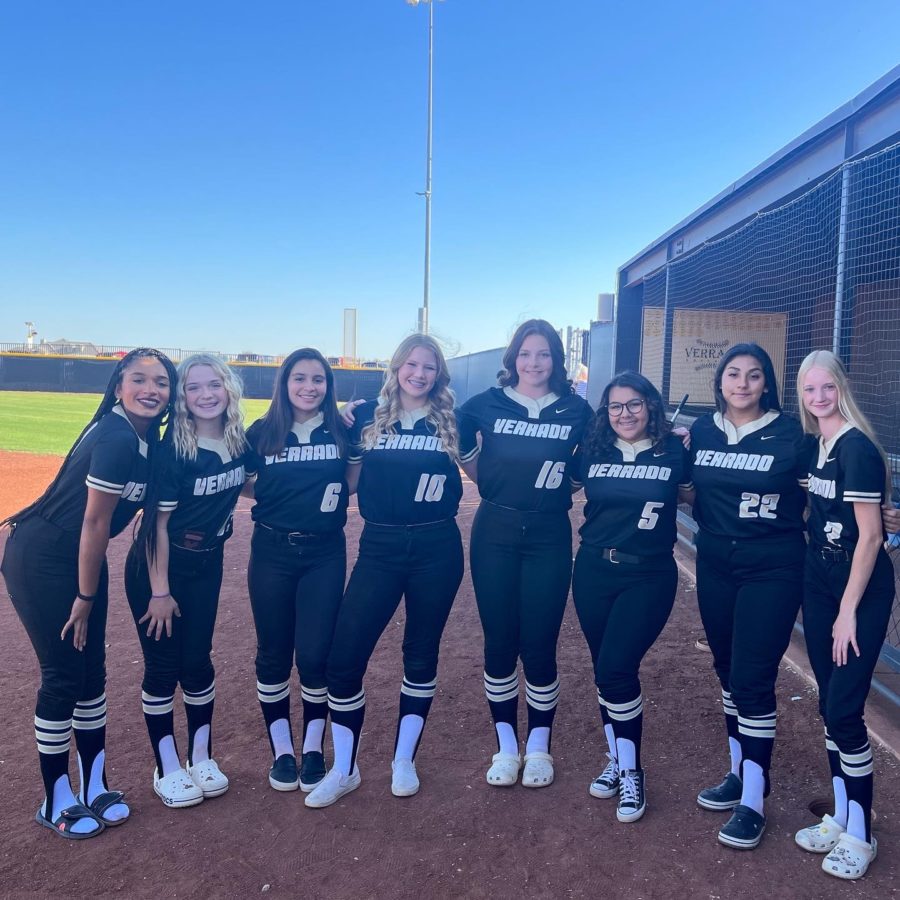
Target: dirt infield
458,837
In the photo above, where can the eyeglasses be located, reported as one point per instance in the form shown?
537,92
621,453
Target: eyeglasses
633,406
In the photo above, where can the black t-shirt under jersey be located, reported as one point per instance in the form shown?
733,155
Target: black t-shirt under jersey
110,458
303,487
632,495
526,446
847,469
407,476
201,493
749,480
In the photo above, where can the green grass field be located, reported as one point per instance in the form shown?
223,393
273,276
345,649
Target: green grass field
38,422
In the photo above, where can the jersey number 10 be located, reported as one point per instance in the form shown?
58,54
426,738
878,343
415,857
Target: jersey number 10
430,488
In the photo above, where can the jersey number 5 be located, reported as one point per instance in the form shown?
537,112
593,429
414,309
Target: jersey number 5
332,495
766,505
431,488
649,518
551,475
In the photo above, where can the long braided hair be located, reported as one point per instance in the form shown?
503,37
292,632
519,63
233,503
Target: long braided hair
106,404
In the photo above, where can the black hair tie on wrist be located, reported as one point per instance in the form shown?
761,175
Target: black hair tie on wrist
87,599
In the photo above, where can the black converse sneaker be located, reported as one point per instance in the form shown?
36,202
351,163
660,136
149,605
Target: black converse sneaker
632,800
606,784
726,795
744,830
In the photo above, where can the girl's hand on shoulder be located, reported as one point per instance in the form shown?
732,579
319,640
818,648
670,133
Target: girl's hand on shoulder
159,614
890,518
684,434
347,416
844,636
78,622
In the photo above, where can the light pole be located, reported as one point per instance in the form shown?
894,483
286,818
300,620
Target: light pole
423,312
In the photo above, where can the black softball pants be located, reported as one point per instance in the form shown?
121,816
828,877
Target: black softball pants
296,583
195,579
749,593
521,570
843,689
421,563
622,608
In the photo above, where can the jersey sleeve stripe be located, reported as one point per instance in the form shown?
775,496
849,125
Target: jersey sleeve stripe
862,496
107,487
167,505
687,486
467,457
354,460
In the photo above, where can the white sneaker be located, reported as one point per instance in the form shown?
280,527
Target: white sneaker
331,788
208,777
404,781
177,789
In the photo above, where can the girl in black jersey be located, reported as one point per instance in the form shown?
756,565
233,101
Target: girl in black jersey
749,470
173,589
56,576
298,557
403,460
625,577
847,599
521,546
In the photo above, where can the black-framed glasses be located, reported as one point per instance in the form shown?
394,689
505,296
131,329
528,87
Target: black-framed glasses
634,406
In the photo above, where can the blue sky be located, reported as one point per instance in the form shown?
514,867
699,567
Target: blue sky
230,175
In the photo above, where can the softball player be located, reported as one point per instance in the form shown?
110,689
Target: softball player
749,471
298,557
173,590
847,599
56,575
625,578
521,544
403,459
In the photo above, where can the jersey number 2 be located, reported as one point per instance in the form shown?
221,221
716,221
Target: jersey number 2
766,505
431,488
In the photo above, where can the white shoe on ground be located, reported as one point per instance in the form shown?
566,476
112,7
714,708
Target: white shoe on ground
208,777
177,789
404,781
331,788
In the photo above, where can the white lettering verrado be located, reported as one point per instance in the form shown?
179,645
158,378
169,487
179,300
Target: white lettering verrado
822,487
618,470
408,442
518,428
215,484
306,453
748,462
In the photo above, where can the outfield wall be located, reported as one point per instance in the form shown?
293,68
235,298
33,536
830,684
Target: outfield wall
78,375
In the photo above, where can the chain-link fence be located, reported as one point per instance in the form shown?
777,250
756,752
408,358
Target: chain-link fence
819,271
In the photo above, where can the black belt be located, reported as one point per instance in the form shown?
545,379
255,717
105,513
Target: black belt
617,556
293,538
834,554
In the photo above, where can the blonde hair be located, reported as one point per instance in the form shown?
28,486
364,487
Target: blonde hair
440,401
233,419
847,406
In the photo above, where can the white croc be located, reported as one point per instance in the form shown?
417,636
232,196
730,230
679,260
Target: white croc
331,788
404,780
538,771
821,837
177,789
504,770
850,857
208,777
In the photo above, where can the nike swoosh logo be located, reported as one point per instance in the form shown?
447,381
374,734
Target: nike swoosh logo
831,459
768,437
561,410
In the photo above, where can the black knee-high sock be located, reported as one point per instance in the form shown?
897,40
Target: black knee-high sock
838,782
731,726
541,702
757,736
609,729
858,776
159,718
53,740
628,724
503,700
350,712
89,727
275,703
315,709
415,700
198,708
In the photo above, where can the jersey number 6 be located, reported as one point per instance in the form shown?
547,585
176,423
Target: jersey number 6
331,497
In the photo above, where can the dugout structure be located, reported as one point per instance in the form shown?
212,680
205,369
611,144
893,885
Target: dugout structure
802,253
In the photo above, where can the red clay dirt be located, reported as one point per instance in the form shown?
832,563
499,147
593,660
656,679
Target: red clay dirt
458,837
